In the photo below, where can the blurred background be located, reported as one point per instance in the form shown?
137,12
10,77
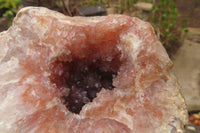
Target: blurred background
176,24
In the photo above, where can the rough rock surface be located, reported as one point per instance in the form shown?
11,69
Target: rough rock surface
44,50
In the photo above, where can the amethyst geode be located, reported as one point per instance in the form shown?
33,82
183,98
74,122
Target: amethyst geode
86,74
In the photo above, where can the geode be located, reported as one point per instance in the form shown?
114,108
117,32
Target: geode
105,74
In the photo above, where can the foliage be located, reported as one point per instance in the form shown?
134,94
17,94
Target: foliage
126,5
95,2
164,20
147,1
11,7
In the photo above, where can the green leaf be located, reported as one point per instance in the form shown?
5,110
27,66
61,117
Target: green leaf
8,14
172,5
9,23
18,2
186,30
185,20
94,2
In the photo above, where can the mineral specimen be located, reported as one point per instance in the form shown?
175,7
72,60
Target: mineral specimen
106,74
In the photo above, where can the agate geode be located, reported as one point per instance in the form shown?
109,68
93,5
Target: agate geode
106,74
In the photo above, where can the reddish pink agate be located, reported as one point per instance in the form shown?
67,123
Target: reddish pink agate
90,75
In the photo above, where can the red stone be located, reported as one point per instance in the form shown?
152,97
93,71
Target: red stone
39,53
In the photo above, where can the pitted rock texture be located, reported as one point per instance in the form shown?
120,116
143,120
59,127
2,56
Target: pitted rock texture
86,75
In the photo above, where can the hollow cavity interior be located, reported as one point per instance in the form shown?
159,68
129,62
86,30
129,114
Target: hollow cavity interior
84,82
79,80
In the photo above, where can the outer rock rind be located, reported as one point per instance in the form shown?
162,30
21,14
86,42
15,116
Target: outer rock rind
146,98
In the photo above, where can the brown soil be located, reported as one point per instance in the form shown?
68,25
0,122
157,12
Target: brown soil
4,24
189,9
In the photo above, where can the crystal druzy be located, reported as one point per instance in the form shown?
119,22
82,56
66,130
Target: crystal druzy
105,74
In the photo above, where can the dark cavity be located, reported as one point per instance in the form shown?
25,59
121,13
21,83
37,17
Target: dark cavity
83,83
